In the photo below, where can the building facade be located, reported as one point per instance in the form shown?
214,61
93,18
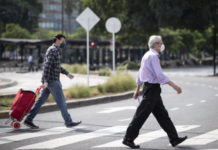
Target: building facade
51,17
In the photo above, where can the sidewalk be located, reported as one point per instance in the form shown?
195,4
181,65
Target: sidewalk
32,80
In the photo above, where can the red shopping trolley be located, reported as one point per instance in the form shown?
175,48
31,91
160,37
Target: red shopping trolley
21,106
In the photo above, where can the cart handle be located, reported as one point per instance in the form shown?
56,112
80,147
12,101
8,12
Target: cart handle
38,89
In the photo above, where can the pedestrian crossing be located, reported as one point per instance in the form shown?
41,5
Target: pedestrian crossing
66,138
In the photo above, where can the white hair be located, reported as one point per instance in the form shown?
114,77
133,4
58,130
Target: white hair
153,39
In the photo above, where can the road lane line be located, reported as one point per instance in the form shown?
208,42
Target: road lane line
188,105
203,139
146,137
116,109
46,132
203,101
174,109
55,143
127,119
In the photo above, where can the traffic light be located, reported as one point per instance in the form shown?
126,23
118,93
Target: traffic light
92,44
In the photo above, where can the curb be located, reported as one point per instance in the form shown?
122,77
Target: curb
78,103
9,84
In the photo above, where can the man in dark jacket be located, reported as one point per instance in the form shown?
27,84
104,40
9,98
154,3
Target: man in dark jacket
51,80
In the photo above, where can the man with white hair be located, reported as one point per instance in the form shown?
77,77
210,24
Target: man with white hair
150,73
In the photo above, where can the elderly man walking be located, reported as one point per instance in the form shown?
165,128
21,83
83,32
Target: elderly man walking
150,74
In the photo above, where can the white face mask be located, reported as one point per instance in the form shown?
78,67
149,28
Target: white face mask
162,48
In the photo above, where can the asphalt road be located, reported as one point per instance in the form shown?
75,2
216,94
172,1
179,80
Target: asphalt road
194,113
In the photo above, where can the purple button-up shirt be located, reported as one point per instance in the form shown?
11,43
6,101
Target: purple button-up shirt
150,70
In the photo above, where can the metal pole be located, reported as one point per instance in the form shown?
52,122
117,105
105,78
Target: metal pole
113,41
214,40
62,16
87,53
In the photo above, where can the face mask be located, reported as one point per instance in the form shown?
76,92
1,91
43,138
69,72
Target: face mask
63,45
162,48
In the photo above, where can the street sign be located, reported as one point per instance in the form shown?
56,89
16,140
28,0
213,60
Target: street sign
87,19
113,25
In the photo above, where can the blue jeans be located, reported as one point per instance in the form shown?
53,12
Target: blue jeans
55,88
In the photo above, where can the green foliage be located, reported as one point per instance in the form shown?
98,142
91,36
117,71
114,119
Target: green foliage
120,82
104,72
15,31
79,34
75,68
129,65
22,12
6,102
78,91
44,34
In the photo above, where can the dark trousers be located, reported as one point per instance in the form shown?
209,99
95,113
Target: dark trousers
151,103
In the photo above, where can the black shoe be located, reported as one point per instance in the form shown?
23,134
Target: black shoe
30,124
178,141
72,124
131,144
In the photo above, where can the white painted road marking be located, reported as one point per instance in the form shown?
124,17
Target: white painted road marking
174,109
46,132
203,139
188,105
116,109
127,119
55,143
147,136
203,101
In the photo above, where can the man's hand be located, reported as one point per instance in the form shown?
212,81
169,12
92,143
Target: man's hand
178,89
136,94
175,87
70,76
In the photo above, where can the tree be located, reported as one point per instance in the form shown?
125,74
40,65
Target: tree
16,31
136,17
22,12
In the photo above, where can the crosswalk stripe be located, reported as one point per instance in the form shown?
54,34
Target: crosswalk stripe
46,132
203,139
147,136
116,109
5,130
51,144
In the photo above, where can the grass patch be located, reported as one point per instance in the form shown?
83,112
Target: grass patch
81,91
6,102
120,82
104,72
75,68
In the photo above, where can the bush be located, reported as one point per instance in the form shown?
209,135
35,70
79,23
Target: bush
81,91
120,82
133,65
76,68
129,65
104,72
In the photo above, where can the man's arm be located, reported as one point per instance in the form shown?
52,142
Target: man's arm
163,79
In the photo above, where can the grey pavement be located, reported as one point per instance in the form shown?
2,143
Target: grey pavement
32,80
194,113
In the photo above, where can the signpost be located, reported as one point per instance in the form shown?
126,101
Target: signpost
113,25
87,19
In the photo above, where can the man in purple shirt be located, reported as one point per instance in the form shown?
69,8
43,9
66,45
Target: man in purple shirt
150,74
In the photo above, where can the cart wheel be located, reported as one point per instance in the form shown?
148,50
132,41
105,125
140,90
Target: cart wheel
16,125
